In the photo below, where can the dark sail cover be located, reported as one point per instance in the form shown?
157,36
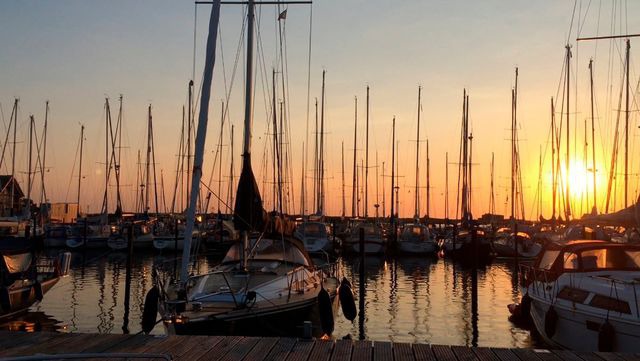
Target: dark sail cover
248,208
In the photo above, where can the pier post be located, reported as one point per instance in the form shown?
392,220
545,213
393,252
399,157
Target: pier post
474,289
127,284
361,287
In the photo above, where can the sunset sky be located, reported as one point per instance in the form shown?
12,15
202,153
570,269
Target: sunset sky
76,53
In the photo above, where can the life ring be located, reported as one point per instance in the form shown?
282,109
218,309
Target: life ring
550,322
606,337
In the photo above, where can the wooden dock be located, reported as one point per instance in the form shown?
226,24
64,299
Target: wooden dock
120,347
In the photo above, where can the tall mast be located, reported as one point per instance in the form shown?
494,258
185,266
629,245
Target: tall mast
189,123
316,163
220,157
377,204
354,189
626,127
417,191
147,163
594,210
321,170
80,169
568,171
43,193
275,141
366,165
106,161
384,194
513,157
492,198
231,171
428,182
31,122
446,185
202,124
393,174
553,160
343,192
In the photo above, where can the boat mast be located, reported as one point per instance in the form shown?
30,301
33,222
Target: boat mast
43,193
148,163
31,122
366,165
321,150
343,192
446,186
189,124
393,175
384,194
554,180
594,210
202,124
354,189
80,169
626,127
567,188
417,192
492,199
428,182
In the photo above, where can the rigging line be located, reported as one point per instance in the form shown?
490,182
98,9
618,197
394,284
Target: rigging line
573,14
73,168
303,190
586,12
195,26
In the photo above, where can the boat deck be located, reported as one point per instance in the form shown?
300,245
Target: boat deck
121,347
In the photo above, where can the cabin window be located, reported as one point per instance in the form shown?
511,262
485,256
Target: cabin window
570,261
547,260
594,259
573,294
609,303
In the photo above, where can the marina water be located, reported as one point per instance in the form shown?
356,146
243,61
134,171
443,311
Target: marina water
407,299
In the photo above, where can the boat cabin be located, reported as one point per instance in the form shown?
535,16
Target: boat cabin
588,256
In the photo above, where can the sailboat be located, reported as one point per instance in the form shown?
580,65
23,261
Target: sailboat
266,283
415,237
374,241
314,233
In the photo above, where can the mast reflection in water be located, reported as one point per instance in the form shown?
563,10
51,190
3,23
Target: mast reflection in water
407,299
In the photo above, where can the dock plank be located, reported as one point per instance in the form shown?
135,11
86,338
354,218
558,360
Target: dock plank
485,354
423,352
505,354
231,348
261,349
382,351
609,356
301,350
587,356
362,350
526,354
567,355
443,353
281,349
463,353
220,349
342,350
321,351
402,352
240,349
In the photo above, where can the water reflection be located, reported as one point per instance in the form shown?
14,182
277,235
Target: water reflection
406,299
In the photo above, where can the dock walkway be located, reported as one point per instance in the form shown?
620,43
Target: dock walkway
115,347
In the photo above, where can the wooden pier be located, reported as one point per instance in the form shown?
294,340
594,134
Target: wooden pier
120,347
